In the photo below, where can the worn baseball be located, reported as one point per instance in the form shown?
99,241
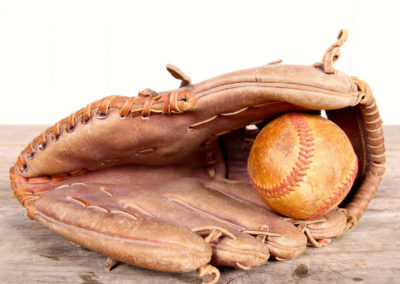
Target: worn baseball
302,165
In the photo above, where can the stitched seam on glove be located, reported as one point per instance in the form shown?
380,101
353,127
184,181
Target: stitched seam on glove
108,236
287,86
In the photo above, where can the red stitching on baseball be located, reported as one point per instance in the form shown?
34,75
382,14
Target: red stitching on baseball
341,190
304,132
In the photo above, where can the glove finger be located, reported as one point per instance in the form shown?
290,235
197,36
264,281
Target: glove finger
235,204
212,198
163,201
243,202
119,233
331,225
318,232
230,247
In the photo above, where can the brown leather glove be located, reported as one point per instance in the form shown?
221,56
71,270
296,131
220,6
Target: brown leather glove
160,181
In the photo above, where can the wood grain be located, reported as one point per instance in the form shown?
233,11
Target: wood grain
370,253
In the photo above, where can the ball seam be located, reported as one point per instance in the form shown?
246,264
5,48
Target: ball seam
338,193
304,159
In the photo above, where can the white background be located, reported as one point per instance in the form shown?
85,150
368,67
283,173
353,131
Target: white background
57,56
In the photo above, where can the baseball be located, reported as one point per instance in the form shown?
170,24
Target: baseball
302,165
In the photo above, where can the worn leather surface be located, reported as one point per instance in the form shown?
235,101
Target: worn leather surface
303,165
159,180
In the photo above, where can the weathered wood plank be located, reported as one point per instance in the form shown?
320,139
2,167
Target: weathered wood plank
370,253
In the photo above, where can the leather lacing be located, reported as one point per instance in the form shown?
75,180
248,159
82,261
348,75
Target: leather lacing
375,148
208,270
177,101
332,54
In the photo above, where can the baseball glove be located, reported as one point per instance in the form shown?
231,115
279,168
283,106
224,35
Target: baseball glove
160,181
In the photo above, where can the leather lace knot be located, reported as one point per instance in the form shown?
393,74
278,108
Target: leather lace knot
178,101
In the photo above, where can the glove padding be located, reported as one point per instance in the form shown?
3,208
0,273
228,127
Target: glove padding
160,181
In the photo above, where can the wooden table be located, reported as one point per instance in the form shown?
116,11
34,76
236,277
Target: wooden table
370,253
